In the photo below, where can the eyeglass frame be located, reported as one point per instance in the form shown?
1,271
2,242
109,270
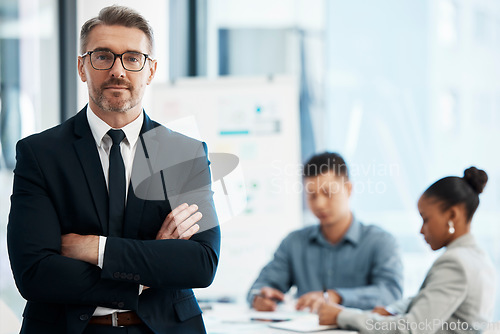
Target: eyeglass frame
116,55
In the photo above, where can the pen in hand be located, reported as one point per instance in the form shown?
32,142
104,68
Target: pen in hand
266,299
259,293
325,295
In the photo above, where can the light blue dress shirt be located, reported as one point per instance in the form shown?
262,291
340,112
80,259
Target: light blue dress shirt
364,268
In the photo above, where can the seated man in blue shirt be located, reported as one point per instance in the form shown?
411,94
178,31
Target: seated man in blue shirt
350,263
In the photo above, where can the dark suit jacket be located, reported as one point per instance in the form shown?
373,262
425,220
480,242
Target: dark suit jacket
59,188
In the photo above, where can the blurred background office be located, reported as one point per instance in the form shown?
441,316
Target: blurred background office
406,90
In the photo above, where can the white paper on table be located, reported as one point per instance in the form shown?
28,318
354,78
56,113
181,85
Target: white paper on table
275,315
305,324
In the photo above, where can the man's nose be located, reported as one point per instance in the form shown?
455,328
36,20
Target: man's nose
117,70
321,201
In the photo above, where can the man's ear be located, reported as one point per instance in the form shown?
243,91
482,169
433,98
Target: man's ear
81,69
348,186
152,70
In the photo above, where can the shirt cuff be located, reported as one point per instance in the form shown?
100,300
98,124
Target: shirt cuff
391,310
348,318
349,297
251,295
141,287
102,247
399,307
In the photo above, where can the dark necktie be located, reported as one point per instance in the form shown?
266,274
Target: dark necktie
116,184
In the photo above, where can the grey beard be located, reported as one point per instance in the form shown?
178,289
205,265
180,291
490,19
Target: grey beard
102,103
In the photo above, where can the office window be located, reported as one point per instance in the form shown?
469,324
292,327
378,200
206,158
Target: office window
29,61
448,112
484,115
497,33
448,16
395,96
482,26
29,99
257,52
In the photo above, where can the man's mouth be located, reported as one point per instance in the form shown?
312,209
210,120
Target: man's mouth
322,215
115,87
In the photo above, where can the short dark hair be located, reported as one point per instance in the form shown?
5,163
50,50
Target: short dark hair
116,15
453,190
325,162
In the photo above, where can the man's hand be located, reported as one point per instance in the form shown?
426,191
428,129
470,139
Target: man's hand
180,223
267,299
381,310
80,247
314,299
328,313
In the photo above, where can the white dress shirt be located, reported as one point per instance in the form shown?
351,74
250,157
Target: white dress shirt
99,130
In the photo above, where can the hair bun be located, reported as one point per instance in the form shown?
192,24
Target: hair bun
476,178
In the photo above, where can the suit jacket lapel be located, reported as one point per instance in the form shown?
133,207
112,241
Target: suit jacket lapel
86,150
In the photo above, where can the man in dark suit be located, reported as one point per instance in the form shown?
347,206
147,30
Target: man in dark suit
112,221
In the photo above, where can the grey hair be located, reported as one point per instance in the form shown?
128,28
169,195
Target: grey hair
117,15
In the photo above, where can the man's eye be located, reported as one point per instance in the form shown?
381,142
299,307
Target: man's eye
132,59
329,194
102,57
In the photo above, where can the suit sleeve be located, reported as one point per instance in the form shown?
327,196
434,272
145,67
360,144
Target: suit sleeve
399,307
444,291
386,281
41,273
172,263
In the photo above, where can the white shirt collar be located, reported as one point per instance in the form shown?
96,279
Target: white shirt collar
99,128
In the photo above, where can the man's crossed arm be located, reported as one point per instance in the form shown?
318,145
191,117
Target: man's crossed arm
181,223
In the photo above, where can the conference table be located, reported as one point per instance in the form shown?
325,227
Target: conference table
231,318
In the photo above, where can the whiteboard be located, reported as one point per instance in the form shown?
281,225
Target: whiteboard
256,119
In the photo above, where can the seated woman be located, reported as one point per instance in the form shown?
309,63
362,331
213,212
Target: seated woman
458,292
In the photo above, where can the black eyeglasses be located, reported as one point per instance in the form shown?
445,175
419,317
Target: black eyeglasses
104,60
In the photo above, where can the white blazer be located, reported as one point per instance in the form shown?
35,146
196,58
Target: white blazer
457,296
